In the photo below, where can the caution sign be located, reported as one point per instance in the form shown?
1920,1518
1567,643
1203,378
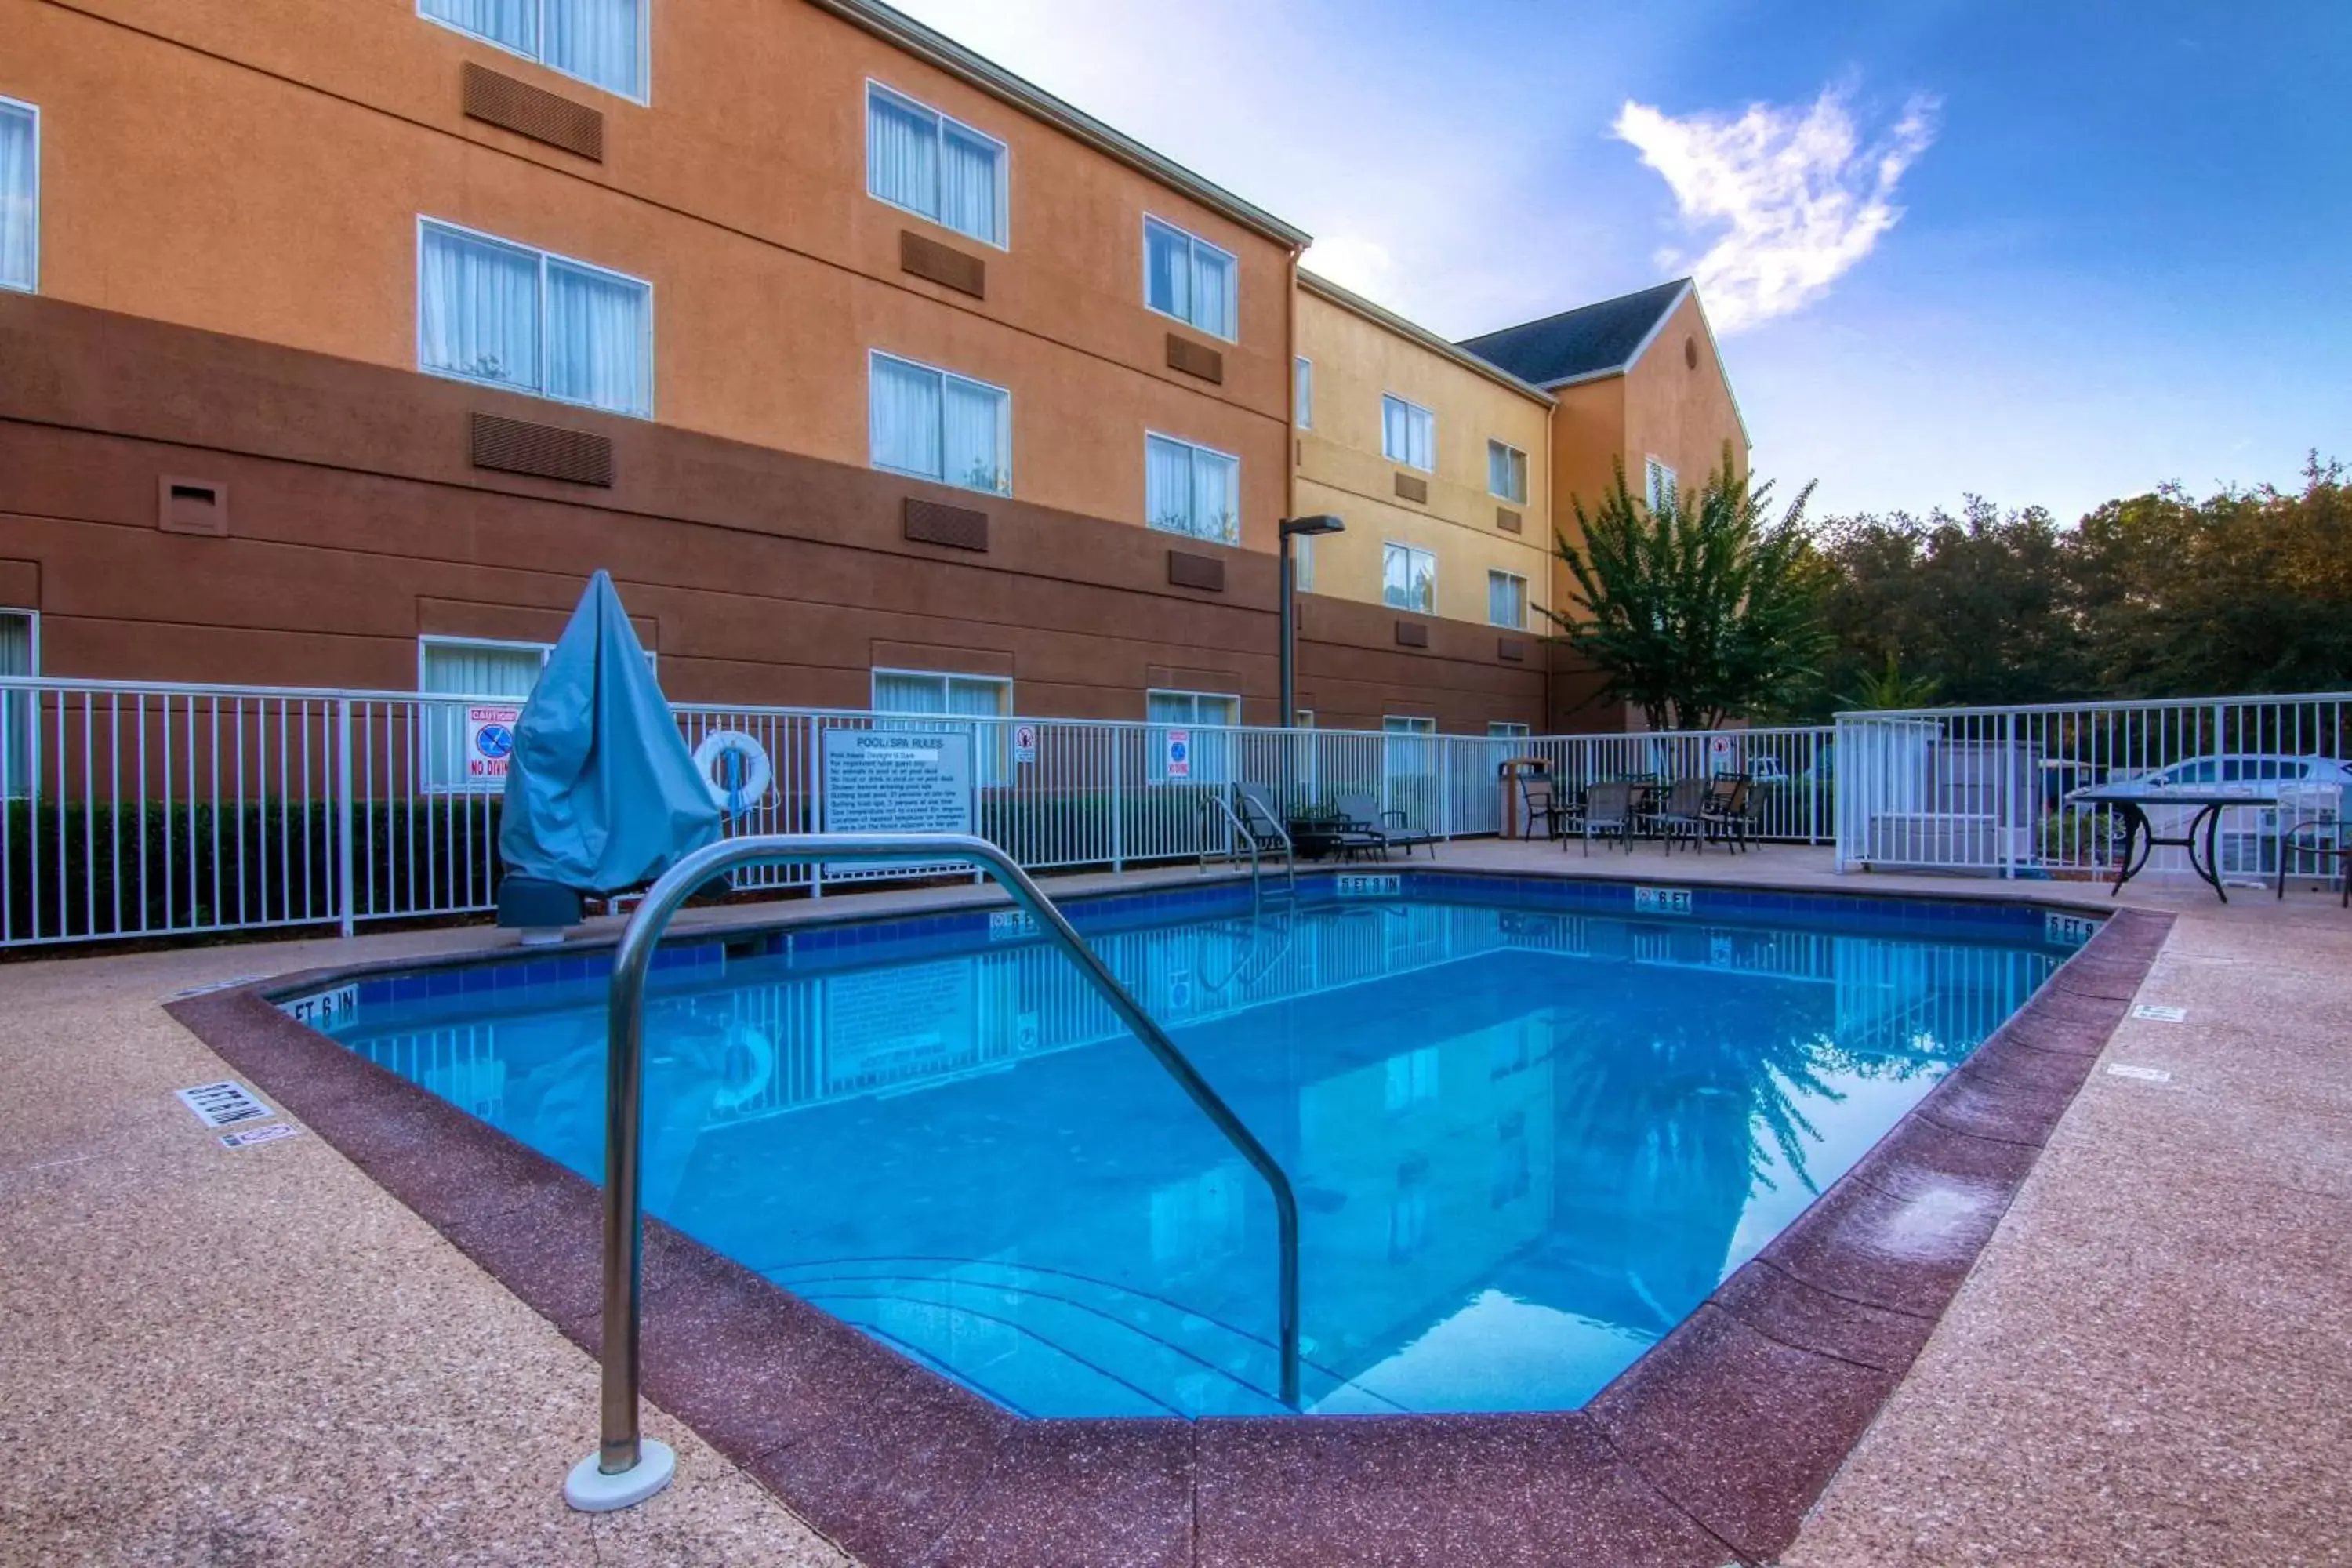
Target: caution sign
489,741
1025,743
1180,754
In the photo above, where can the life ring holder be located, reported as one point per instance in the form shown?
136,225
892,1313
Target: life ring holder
750,786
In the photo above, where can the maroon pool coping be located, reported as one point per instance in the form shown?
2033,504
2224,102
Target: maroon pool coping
1709,1448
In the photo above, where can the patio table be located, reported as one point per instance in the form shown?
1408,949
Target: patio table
2140,839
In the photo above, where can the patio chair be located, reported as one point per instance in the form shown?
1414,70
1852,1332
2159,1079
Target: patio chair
2323,839
1540,802
1682,813
1364,817
1729,805
1608,809
1260,819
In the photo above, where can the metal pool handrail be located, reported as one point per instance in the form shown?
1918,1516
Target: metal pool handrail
619,1449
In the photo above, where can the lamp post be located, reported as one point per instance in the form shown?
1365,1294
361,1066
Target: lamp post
1295,528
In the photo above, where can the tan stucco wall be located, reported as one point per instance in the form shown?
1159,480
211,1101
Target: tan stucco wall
1665,407
1340,469
252,167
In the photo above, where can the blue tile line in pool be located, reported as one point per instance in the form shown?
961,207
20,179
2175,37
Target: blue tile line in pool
896,938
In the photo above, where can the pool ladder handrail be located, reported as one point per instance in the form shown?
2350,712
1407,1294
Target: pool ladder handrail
621,1444
1236,826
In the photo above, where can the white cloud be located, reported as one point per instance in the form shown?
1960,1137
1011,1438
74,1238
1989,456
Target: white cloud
1353,261
1803,198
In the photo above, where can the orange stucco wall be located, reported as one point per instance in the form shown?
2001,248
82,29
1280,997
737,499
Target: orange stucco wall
257,167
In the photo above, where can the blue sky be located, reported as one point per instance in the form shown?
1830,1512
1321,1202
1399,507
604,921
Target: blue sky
2044,252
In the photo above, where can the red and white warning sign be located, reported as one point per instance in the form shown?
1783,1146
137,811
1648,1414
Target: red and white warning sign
490,741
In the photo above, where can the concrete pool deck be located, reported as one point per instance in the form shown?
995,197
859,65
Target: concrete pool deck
261,1356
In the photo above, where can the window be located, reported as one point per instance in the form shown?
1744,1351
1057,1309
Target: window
938,168
1408,434
467,667
20,195
1507,600
1188,711
1302,392
1304,717
940,425
1407,724
903,692
1501,730
1189,278
1409,1211
20,654
1191,489
1302,563
509,316
602,42
1408,578
1660,484
1506,472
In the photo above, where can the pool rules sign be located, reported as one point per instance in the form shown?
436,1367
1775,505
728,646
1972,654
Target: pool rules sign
893,781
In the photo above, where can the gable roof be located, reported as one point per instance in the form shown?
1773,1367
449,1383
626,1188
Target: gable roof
1585,343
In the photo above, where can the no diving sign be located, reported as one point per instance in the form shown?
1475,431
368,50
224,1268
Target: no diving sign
490,741
1025,743
1180,754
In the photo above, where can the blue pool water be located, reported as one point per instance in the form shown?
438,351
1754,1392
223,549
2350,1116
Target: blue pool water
1526,1140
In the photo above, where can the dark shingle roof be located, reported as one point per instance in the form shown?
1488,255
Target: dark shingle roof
1587,339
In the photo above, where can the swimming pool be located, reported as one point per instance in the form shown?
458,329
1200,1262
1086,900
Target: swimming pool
1532,1126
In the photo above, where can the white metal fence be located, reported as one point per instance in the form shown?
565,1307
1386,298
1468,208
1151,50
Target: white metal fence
2002,789
151,810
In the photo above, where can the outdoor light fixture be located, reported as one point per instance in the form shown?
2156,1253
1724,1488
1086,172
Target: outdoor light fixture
1295,528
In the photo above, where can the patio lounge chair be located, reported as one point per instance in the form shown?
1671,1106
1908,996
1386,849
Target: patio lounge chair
1682,813
1268,825
2321,838
1260,820
1389,828
1728,809
1608,809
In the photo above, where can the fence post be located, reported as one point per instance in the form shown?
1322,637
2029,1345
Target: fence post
1118,733
2007,789
1445,788
348,891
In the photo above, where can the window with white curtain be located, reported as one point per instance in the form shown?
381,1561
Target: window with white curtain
935,166
467,667
1186,276
1506,599
602,42
1506,472
20,646
969,696
491,310
1408,577
1660,484
1191,489
1501,730
1408,434
1204,712
936,425
1302,392
1302,563
20,195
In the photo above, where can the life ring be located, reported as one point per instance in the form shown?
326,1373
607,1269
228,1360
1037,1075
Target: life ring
735,787
745,1043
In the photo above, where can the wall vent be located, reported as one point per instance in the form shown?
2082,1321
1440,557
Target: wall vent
1186,570
957,528
1511,651
1195,359
1506,520
942,263
190,506
542,451
497,100
1413,489
1412,634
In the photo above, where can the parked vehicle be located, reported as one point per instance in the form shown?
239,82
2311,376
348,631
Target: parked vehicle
2307,787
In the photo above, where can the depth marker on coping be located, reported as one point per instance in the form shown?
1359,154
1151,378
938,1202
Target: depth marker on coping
2143,1074
2161,1014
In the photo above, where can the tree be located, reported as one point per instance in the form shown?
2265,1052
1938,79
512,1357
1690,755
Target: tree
1697,609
